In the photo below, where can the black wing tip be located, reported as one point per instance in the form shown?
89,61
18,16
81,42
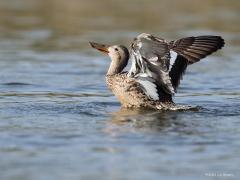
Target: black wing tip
218,39
220,42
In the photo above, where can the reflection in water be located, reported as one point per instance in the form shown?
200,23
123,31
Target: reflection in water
150,121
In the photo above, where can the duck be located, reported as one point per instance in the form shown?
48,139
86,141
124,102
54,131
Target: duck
157,68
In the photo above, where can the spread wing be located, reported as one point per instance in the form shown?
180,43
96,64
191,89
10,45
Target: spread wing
190,50
196,48
158,65
150,64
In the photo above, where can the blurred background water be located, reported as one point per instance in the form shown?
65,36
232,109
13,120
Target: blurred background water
58,120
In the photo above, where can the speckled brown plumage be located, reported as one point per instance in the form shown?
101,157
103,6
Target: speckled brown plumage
130,95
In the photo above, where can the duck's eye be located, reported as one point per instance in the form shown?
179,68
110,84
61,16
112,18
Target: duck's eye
116,49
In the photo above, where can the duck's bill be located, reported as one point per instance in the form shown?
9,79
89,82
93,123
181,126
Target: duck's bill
101,47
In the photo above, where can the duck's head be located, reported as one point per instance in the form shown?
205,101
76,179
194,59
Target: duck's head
118,53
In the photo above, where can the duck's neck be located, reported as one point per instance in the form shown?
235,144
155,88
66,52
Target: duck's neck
117,65
114,68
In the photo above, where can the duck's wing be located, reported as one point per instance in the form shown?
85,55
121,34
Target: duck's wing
196,48
150,65
188,51
158,65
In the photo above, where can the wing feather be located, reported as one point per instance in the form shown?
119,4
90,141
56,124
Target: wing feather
177,71
152,55
196,48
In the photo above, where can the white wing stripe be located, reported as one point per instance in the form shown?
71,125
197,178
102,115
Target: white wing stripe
173,58
149,88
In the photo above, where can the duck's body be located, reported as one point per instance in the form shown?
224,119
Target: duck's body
130,94
157,67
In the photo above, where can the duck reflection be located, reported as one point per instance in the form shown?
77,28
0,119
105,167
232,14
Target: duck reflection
146,120
141,118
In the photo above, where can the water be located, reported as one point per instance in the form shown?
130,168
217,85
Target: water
58,120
